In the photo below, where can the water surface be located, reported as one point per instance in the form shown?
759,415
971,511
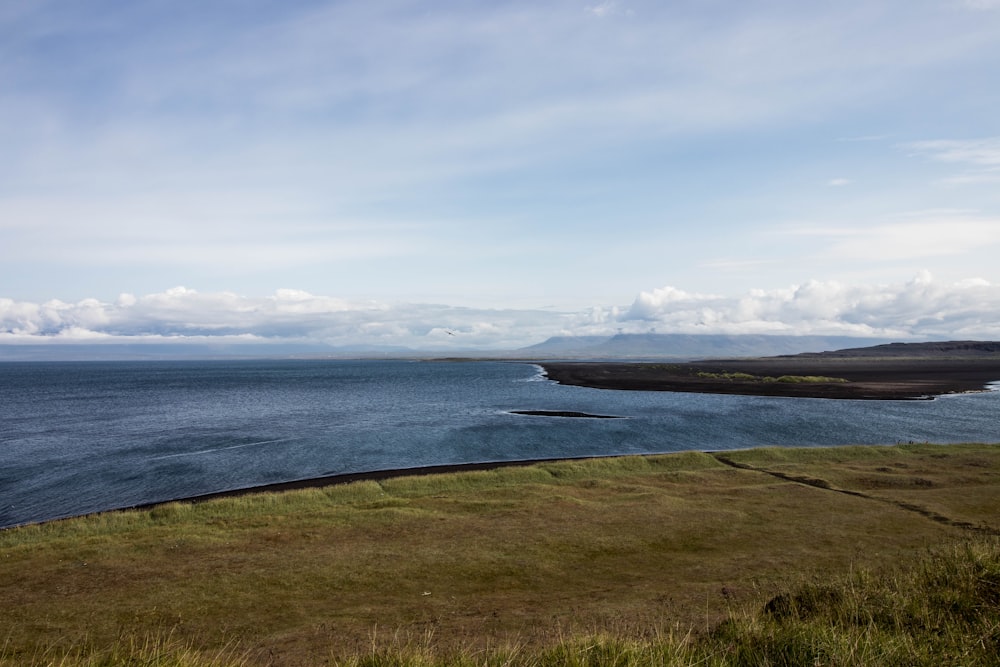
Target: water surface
82,437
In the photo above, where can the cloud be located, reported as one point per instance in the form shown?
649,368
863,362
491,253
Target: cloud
863,138
181,314
608,8
223,230
932,234
975,151
920,308
974,178
838,182
982,156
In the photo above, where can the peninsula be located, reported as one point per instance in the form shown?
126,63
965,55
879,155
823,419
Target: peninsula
897,371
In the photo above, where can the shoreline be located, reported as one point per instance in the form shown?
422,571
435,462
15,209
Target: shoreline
324,481
347,478
320,482
851,378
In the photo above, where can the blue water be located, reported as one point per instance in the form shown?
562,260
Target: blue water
83,437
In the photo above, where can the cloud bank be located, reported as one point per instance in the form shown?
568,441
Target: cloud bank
287,316
919,309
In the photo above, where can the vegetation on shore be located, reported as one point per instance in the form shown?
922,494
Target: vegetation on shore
941,608
770,556
788,379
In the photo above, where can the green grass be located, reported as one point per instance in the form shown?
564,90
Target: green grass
799,379
744,377
943,607
158,651
787,379
633,560
961,482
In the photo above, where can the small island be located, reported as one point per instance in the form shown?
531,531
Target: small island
898,371
562,413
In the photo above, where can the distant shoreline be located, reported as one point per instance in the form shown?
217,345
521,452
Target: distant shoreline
803,376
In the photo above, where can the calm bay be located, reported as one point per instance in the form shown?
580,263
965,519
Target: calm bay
81,437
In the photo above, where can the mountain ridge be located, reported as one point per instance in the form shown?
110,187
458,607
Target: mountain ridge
690,346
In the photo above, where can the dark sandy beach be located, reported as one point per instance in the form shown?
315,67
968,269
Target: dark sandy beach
906,372
346,478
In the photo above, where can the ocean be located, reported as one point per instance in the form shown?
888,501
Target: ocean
82,437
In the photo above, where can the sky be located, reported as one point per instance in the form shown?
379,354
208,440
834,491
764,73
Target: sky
443,174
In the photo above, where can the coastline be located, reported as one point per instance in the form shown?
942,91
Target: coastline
920,378
841,375
856,378
346,478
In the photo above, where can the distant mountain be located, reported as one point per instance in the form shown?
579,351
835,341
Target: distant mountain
950,349
570,345
678,347
688,346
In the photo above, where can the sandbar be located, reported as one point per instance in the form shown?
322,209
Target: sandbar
800,376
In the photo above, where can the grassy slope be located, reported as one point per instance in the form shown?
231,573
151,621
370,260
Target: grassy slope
523,556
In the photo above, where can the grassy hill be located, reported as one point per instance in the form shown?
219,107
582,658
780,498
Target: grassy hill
854,555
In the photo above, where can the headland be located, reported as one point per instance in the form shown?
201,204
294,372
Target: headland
899,371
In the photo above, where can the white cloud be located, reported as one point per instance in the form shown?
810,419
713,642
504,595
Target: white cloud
932,234
838,182
221,230
920,308
981,157
182,314
974,151
608,8
863,138
974,178
669,298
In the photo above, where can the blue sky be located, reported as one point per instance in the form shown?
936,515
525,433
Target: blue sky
390,172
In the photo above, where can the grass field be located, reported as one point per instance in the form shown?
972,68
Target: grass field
637,560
